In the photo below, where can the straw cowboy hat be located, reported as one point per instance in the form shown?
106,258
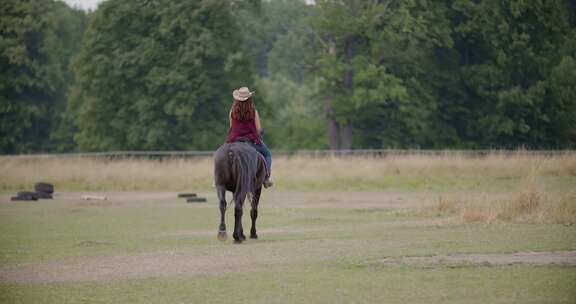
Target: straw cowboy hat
242,94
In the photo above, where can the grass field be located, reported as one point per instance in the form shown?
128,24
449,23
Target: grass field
405,229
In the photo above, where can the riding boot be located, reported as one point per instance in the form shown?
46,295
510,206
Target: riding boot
268,182
268,179
265,152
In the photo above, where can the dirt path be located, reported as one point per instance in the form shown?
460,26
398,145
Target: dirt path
564,258
259,255
351,199
198,261
215,260
311,229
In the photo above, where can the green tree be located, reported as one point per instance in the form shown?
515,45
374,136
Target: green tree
516,61
278,42
37,42
157,75
372,67
296,121
263,24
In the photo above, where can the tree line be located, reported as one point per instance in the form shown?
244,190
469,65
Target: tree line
340,74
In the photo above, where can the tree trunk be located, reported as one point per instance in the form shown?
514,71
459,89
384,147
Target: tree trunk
333,129
346,135
348,81
333,125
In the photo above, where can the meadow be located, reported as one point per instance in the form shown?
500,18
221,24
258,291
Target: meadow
398,229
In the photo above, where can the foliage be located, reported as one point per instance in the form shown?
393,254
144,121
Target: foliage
279,41
296,121
512,54
374,63
38,39
157,75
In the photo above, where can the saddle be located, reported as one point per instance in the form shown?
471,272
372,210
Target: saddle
244,140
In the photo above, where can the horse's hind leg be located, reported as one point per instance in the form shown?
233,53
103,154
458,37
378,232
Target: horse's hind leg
238,230
254,213
222,198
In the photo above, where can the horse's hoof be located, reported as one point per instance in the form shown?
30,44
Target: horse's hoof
238,238
254,236
222,236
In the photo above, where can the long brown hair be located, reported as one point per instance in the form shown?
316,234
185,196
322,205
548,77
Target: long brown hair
243,110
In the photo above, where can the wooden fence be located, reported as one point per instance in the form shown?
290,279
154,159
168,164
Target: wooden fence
309,153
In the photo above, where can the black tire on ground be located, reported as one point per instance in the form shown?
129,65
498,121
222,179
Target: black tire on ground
187,195
44,187
19,198
196,200
25,196
44,195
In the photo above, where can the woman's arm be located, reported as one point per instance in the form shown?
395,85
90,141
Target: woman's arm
257,120
230,118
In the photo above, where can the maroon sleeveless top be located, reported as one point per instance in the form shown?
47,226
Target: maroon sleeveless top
245,129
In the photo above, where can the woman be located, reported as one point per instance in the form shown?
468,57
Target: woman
245,126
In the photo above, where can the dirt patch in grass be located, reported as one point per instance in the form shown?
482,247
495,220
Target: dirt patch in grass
291,230
199,261
563,258
270,198
343,211
211,260
349,199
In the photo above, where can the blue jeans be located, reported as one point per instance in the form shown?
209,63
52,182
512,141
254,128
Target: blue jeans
263,149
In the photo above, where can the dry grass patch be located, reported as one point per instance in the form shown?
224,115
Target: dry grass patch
530,203
76,173
397,172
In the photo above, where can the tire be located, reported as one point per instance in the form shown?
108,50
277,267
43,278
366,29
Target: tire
26,196
19,198
44,187
196,200
43,195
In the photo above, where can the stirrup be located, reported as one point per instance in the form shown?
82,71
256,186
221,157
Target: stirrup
268,183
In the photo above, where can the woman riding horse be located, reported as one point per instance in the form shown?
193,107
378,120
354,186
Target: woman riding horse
245,126
238,165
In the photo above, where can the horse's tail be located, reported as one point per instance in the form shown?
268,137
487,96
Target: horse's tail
246,165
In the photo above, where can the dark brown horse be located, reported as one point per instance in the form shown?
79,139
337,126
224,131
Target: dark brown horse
240,169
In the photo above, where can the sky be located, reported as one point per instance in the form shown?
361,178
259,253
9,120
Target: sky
84,4
92,4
